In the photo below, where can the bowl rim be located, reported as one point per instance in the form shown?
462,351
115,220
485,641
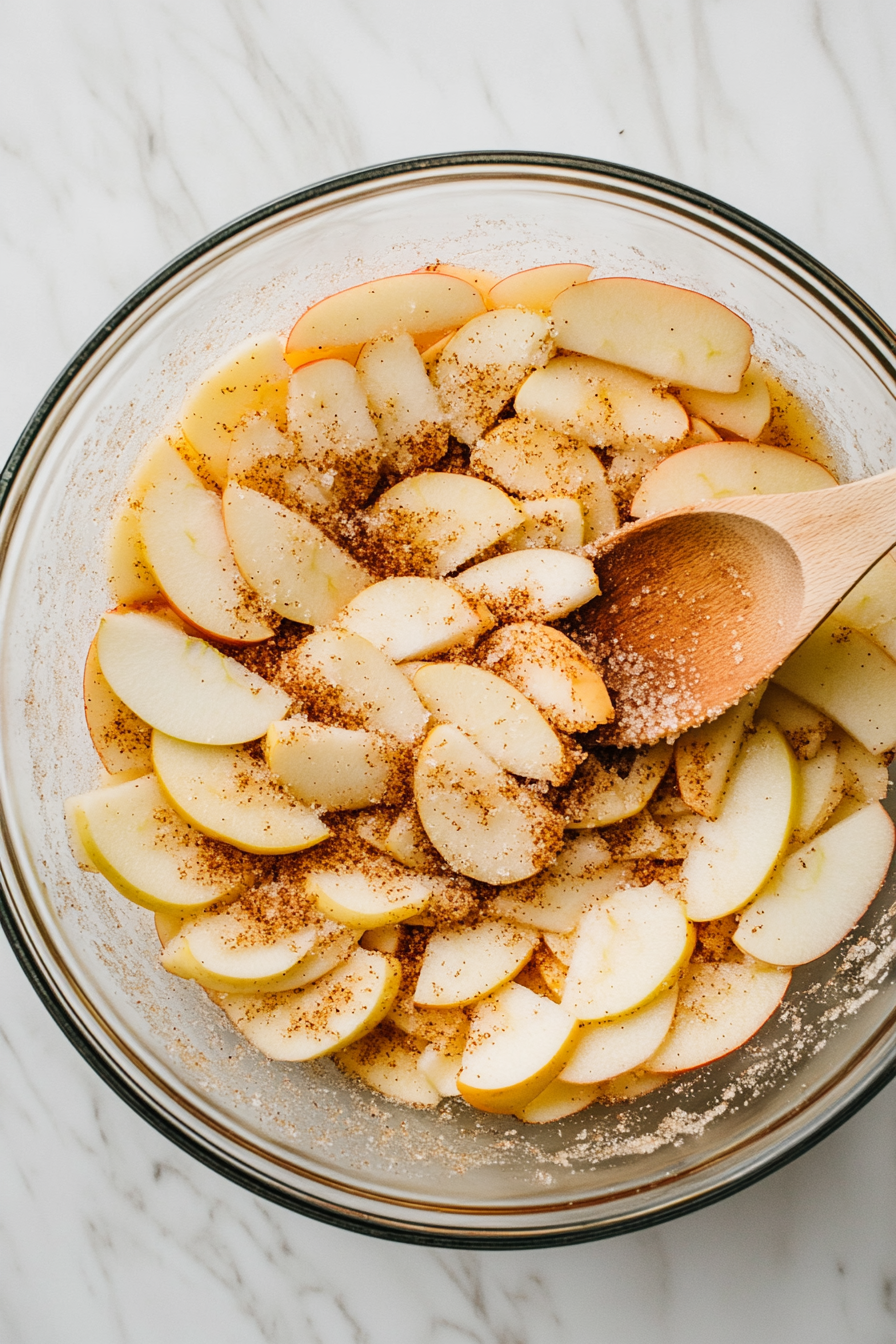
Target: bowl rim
867,321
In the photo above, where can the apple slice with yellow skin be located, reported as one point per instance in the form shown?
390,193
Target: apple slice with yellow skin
249,379
631,1086
434,522
389,1061
531,585
601,404
629,947
871,605
483,823
821,789
121,739
718,470
342,671
337,769
600,797
326,1016
497,717
744,412
556,904
180,684
606,1049
673,334
409,418
229,795
138,842
423,303
415,617
731,858
187,550
483,364
533,462
518,1043
293,566
440,1065
705,756
550,524
552,672
367,900
461,965
804,727
721,1004
327,412
537,287
821,891
848,677
129,573
233,953
557,1101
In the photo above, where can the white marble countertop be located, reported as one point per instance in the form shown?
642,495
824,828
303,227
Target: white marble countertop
129,128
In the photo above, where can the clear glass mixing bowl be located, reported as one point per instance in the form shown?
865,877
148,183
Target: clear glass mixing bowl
307,1136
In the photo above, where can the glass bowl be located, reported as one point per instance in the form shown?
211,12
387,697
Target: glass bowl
307,1136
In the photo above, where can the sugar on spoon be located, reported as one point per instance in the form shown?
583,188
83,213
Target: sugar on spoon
700,605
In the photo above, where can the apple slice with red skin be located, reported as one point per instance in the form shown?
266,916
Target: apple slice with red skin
537,287
744,413
674,334
423,303
721,1004
714,470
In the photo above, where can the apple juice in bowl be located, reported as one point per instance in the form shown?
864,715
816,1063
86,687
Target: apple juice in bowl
605,860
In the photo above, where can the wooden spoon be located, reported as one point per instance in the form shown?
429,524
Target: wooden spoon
700,605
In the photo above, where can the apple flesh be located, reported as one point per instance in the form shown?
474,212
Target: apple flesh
555,904
440,1065
249,379
402,838
435,522
552,672
673,334
743,413
497,717
865,775
423,303
415,617
121,739
721,1005
871,605
461,965
337,769
606,1049
226,952
483,364
265,459
537,287
483,823
367,900
531,585
180,684
139,843
717,470
229,795
130,576
557,1101
732,857
600,797
553,524
412,426
389,1061
327,412
821,891
705,756
629,946
821,789
804,727
518,1043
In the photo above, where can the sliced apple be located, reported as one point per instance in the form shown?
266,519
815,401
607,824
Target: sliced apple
415,617
721,1004
804,727
263,458
483,364
601,404
497,717
411,423
423,303
531,585
555,904
484,281
518,1043
744,412
139,844
705,756
233,953
821,892
338,769
871,605
821,788
732,857
529,460
129,573
601,796
339,671
620,1044
249,379
552,672
537,287
402,838
849,677
674,334
326,1016
553,524
461,965
865,775
629,946
327,412
440,1065
631,1086
700,432
437,521
230,795
181,685
366,900
558,1101
717,470
389,1061
121,738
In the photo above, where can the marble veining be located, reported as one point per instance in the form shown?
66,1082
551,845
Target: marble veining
128,128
